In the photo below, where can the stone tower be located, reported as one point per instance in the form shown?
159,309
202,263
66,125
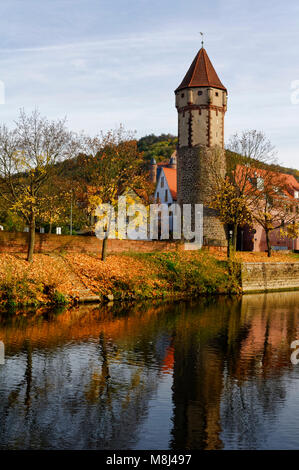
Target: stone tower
201,101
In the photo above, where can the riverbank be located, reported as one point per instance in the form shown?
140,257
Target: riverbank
72,278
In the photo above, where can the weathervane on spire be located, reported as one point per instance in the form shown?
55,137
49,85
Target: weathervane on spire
201,39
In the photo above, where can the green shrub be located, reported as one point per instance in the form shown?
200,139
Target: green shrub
199,274
58,298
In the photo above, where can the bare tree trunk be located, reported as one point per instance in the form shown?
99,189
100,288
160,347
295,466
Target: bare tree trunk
235,235
269,249
105,241
50,228
104,249
31,239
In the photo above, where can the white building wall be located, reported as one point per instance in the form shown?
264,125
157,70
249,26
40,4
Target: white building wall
160,191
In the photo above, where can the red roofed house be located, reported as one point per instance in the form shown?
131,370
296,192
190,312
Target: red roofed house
166,187
257,238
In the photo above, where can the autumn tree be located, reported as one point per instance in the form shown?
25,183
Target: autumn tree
276,208
234,194
28,155
114,164
252,168
232,208
248,152
61,204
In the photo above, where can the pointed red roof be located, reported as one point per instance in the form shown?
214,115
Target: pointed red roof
201,73
171,178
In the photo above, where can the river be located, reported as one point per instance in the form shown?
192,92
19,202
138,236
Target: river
209,374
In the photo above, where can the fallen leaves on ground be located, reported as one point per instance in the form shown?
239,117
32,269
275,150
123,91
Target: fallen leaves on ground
82,275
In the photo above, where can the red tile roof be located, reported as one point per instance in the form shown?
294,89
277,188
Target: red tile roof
170,175
201,73
286,182
292,182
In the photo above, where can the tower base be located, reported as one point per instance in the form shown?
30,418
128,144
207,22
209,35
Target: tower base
197,171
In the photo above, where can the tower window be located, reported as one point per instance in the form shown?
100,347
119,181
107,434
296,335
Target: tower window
162,182
199,93
216,93
182,95
166,195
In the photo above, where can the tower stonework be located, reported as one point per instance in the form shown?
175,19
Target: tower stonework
201,102
153,170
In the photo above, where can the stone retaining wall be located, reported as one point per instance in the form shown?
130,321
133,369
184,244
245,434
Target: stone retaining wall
270,276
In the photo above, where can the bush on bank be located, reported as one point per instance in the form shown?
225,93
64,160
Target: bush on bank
180,275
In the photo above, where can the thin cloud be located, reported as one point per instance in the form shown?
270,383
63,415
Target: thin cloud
106,63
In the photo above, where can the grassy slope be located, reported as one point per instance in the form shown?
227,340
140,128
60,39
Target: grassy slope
55,278
51,278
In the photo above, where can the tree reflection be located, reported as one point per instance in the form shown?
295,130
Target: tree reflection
84,378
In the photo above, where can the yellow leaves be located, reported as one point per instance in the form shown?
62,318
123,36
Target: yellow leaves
93,202
290,231
28,280
25,204
231,206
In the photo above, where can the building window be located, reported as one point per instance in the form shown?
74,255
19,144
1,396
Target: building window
199,93
166,195
162,182
158,195
216,93
260,183
182,95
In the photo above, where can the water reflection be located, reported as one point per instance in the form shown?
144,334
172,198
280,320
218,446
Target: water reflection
211,374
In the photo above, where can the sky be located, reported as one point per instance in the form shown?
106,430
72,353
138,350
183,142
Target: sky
105,62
